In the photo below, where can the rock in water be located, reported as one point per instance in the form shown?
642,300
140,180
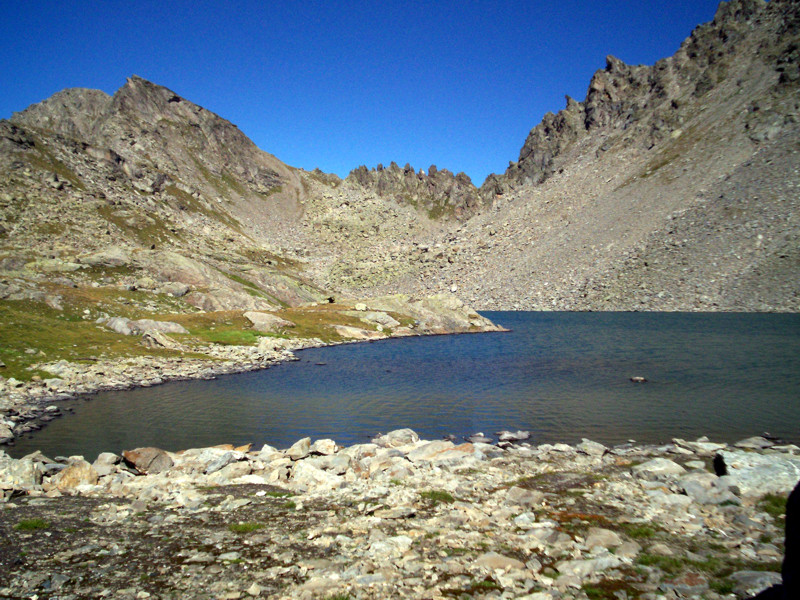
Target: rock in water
479,438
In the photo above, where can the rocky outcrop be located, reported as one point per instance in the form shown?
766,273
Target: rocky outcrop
650,103
438,192
398,517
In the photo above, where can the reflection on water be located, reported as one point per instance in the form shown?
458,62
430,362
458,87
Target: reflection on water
562,376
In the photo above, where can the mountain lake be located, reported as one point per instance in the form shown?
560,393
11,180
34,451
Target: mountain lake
561,376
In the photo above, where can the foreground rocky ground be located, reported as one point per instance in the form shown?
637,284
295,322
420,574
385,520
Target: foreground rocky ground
398,518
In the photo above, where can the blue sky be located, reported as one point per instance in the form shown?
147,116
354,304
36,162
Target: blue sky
338,84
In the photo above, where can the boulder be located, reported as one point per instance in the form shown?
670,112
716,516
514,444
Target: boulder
517,496
156,339
324,446
148,460
758,474
120,325
113,256
149,325
356,333
396,438
658,468
106,463
591,448
78,472
174,288
266,322
19,474
494,561
604,538
307,476
751,583
300,449
587,568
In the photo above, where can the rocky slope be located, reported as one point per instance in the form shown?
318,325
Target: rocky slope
671,187
399,518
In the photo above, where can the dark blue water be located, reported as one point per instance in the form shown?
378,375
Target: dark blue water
562,376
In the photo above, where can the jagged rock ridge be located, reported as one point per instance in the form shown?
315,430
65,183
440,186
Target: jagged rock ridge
438,192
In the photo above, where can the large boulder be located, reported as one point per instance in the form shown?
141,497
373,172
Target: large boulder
19,474
266,322
79,472
148,460
397,438
758,474
113,256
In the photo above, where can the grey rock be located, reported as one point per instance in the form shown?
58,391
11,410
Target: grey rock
751,583
758,474
266,322
19,474
604,538
754,443
591,448
300,449
494,561
396,438
658,468
106,463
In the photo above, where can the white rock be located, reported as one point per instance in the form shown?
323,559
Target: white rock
300,449
657,468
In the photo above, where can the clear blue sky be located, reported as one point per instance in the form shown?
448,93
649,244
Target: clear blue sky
335,84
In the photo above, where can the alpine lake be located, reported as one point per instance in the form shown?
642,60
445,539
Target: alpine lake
561,376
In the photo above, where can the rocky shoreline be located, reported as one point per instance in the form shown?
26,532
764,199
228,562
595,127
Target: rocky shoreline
399,518
27,406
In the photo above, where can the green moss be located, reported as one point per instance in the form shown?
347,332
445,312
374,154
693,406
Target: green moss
671,565
437,496
32,525
279,494
638,532
773,504
245,527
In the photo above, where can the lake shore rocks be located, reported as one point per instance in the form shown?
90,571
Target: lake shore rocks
398,517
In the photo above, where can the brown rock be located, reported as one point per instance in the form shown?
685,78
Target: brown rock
78,473
148,460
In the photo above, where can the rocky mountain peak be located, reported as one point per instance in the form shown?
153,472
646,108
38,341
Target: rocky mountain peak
74,112
648,103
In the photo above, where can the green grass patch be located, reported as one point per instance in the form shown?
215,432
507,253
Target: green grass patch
279,494
774,505
638,531
54,335
672,565
245,527
289,504
32,525
437,497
